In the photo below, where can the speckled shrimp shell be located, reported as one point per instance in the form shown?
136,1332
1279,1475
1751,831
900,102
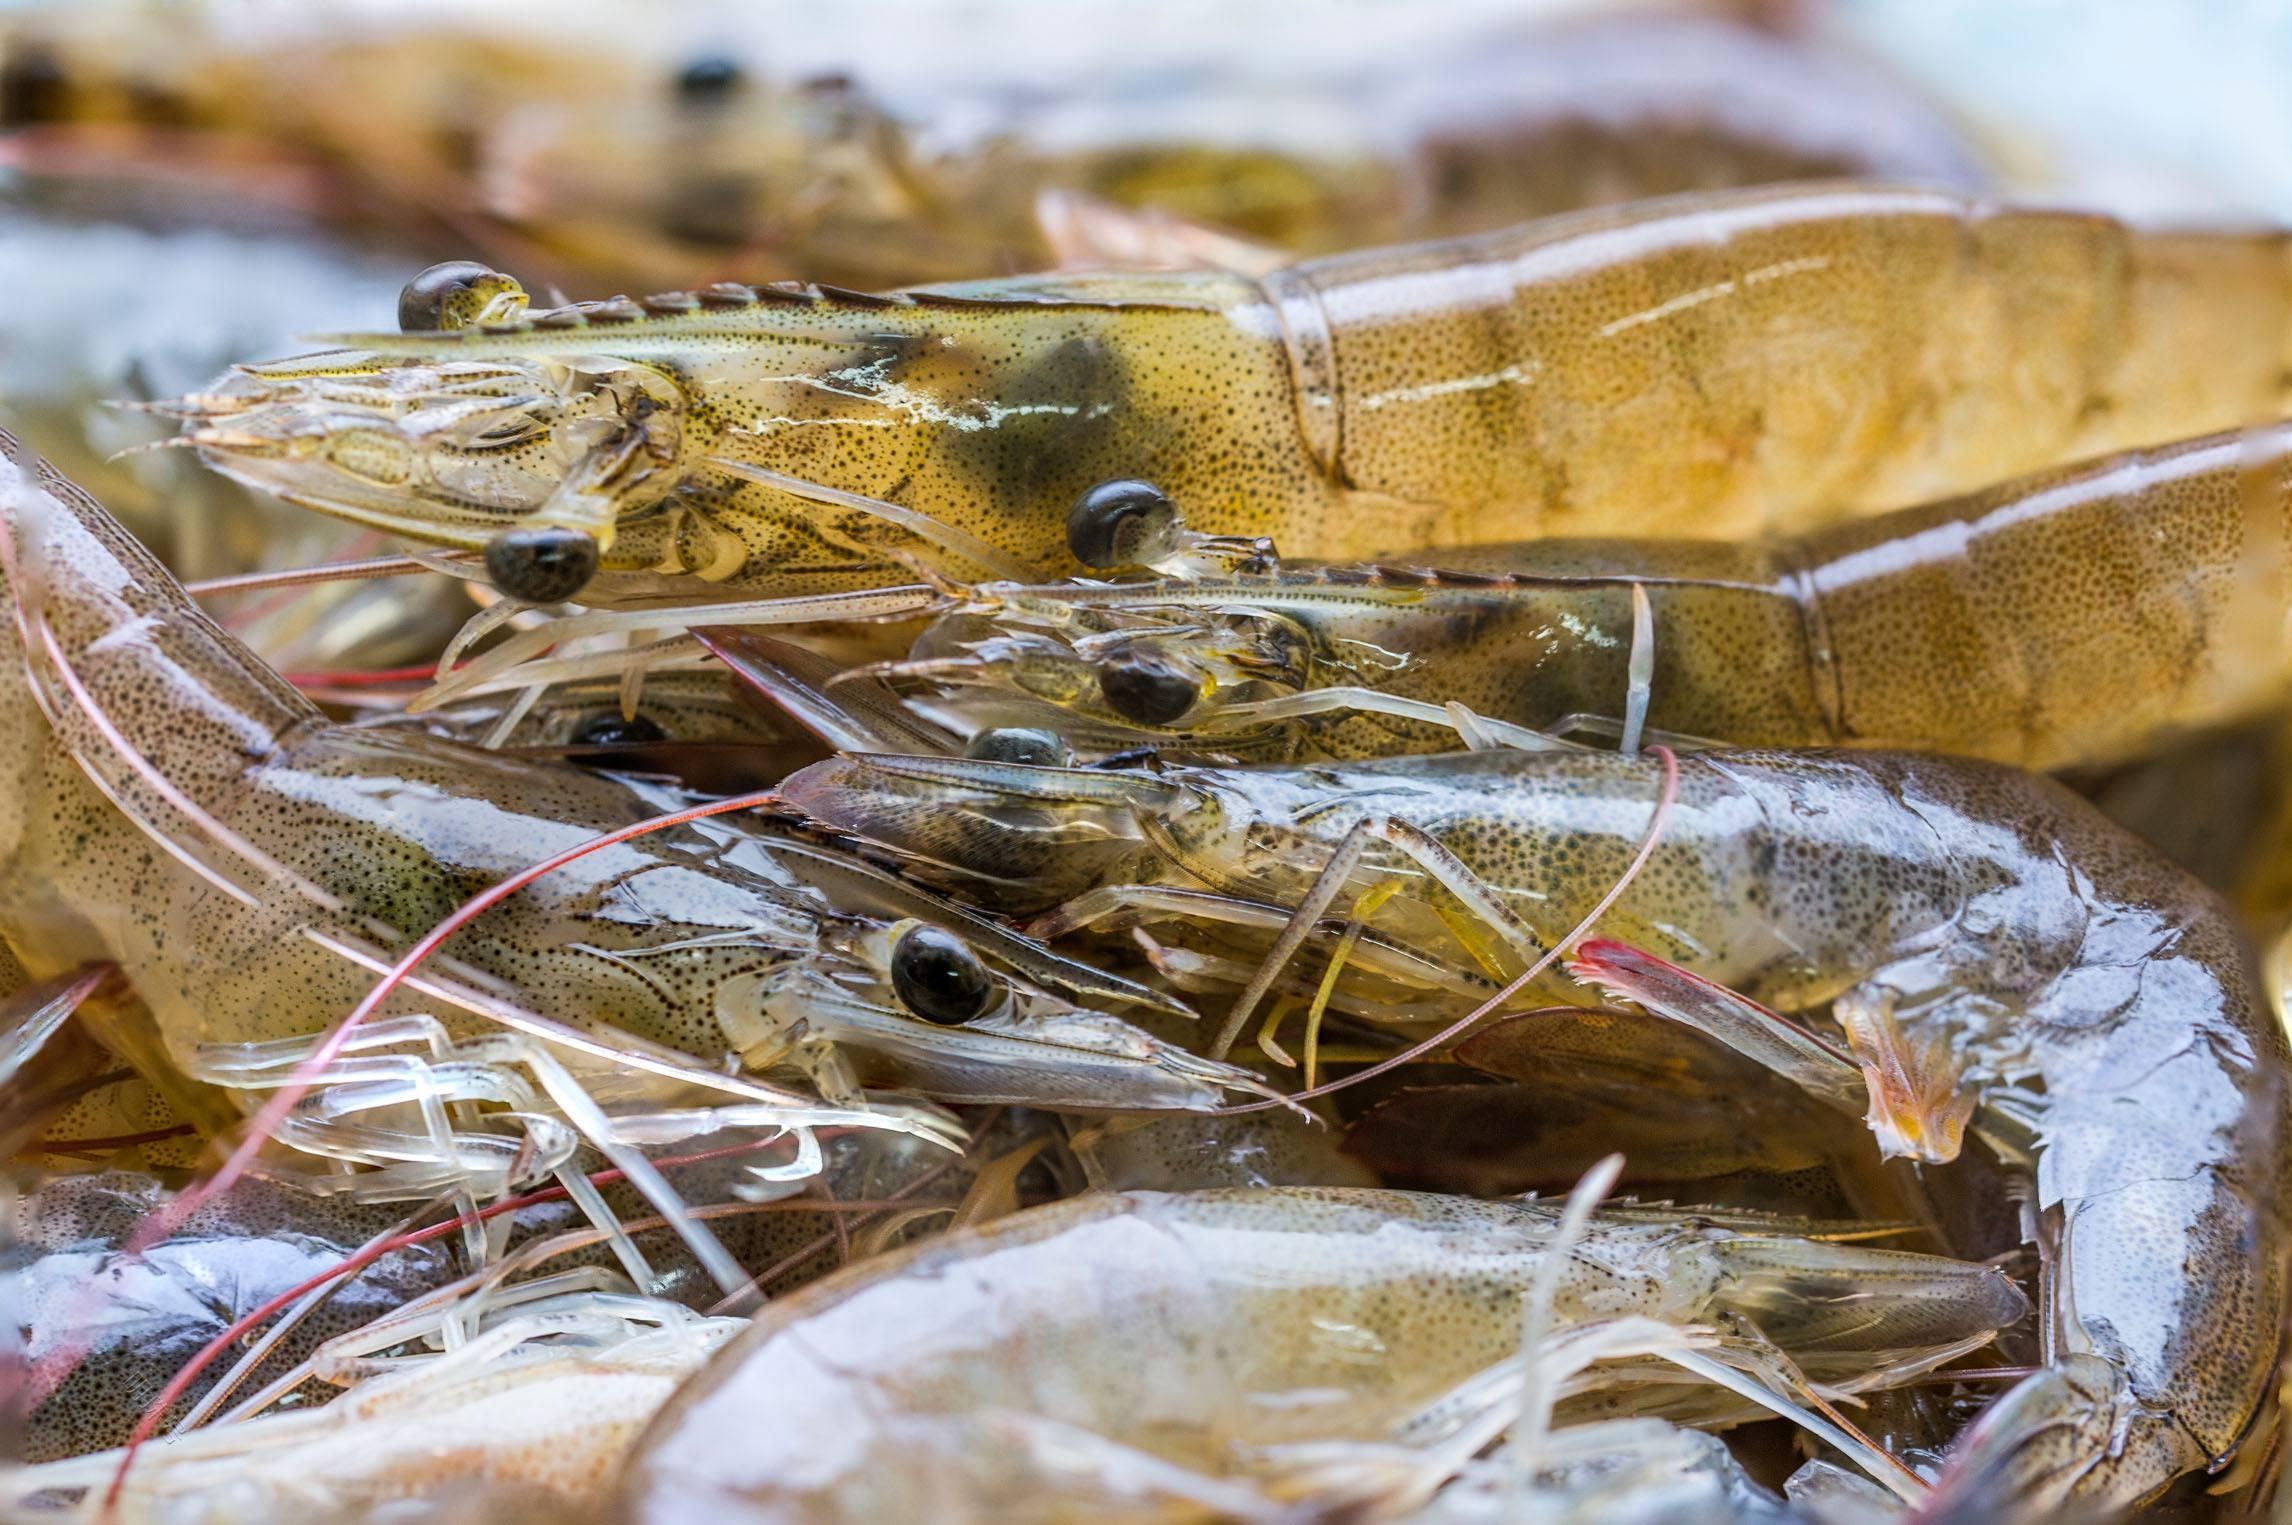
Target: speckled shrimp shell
178,810
2080,616
1222,1352
1986,944
1707,367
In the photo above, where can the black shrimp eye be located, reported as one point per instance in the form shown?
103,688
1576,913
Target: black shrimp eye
709,79
541,566
939,978
1018,744
611,730
33,87
424,300
1147,693
1111,523
447,295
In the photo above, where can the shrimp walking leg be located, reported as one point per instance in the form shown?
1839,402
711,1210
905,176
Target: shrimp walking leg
1419,848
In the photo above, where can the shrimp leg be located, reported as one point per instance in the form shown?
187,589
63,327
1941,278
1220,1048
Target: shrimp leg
1419,847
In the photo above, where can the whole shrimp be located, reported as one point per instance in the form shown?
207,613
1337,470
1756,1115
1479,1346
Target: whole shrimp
1229,1350
800,143
860,177
2079,616
180,811
1708,367
1987,943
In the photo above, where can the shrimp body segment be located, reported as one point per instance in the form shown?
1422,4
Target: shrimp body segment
1175,1344
1975,925
1708,367
2078,616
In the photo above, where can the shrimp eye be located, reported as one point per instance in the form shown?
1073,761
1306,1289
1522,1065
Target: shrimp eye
1017,744
611,730
450,295
939,978
1111,524
541,566
1147,693
33,88
709,78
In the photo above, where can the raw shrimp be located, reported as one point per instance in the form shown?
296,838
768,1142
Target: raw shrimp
1987,942
92,335
150,1314
548,1392
1194,1152
590,717
813,144
1729,1131
306,854
105,1330
1706,367
2075,617
92,330
191,116
1138,1348
713,734
853,178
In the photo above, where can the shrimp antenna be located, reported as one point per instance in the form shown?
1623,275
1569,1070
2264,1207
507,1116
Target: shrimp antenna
1533,1418
1665,798
373,567
357,1261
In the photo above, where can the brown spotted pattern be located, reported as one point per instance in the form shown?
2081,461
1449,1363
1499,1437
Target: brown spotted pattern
262,824
2079,616
2090,986
1702,366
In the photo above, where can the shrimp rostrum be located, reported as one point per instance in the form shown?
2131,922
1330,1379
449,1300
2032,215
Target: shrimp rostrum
180,811
1984,943
1707,366
1239,1353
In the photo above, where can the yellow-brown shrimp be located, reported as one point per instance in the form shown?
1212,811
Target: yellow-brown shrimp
2081,616
850,179
180,811
1209,1353
1706,367
1987,943
596,160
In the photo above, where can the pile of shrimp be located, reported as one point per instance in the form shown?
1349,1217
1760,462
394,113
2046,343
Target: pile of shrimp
1572,811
